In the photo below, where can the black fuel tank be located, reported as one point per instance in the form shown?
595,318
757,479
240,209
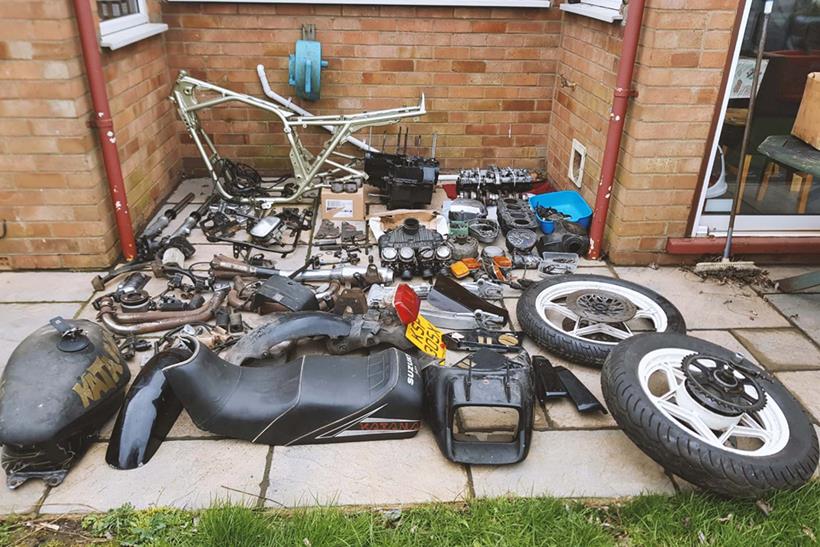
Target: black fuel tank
53,401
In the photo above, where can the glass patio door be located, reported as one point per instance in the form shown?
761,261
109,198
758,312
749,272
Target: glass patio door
775,199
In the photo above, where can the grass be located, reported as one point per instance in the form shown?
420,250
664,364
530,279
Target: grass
788,518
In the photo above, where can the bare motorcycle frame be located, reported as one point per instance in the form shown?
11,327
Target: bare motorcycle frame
307,167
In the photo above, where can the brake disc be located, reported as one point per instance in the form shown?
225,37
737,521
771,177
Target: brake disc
720,386
601,306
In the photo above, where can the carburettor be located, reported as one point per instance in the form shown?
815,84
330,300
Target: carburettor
412,249
491,184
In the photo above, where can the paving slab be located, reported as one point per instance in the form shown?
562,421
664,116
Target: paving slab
803,309
725,339
781,349
780,272
804,385
23,499
379,473
19,320
45,286
185,474
706,304
575,464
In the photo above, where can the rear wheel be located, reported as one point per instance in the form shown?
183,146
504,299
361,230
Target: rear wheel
709,416
582,317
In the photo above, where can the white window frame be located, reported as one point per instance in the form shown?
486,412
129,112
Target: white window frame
119,32
128,21
792,225
461,3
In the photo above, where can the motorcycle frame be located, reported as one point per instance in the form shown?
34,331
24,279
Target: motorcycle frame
306,166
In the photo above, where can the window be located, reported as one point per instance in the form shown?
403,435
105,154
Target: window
124,22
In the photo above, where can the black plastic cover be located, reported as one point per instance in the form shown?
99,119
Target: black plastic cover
287,292
314,399
495,383
147,415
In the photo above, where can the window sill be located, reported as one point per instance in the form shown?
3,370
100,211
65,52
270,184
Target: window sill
595,12
122,38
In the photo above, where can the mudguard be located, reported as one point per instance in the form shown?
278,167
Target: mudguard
147,415
54,401
313,399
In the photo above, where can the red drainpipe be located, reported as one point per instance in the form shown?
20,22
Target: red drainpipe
105,125
620,102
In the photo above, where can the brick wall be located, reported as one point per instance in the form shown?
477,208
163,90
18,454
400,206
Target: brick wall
487,74
139,84
53,192
504,86
683,49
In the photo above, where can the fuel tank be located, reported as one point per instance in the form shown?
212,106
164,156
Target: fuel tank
60,386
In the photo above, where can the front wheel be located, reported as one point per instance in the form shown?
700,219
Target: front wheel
709,416
582,317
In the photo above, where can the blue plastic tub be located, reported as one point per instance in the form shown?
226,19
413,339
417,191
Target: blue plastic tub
568,202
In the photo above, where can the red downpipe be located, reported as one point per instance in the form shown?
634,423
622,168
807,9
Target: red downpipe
105,125
620,102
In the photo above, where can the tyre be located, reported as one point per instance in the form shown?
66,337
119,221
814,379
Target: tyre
582,317
708,415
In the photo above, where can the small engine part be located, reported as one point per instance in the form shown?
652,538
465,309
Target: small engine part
566,237
463,247
549,213
515,213
491,184
521,241
458,229
406,182
328,230
267,229
496,263
135,282
467,209
284,291
484,229
413,249
558,263
135,301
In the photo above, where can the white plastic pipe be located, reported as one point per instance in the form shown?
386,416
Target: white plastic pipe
287,103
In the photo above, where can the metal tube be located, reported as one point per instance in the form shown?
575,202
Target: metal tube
620,102
271,94
105,126
112,320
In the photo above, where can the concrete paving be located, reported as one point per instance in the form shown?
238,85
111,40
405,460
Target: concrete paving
572,455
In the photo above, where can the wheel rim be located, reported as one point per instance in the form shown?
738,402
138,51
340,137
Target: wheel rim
758,434
551,304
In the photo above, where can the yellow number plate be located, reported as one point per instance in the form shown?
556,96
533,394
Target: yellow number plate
426,337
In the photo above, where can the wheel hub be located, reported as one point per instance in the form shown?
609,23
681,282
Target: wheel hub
720,386
601,306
